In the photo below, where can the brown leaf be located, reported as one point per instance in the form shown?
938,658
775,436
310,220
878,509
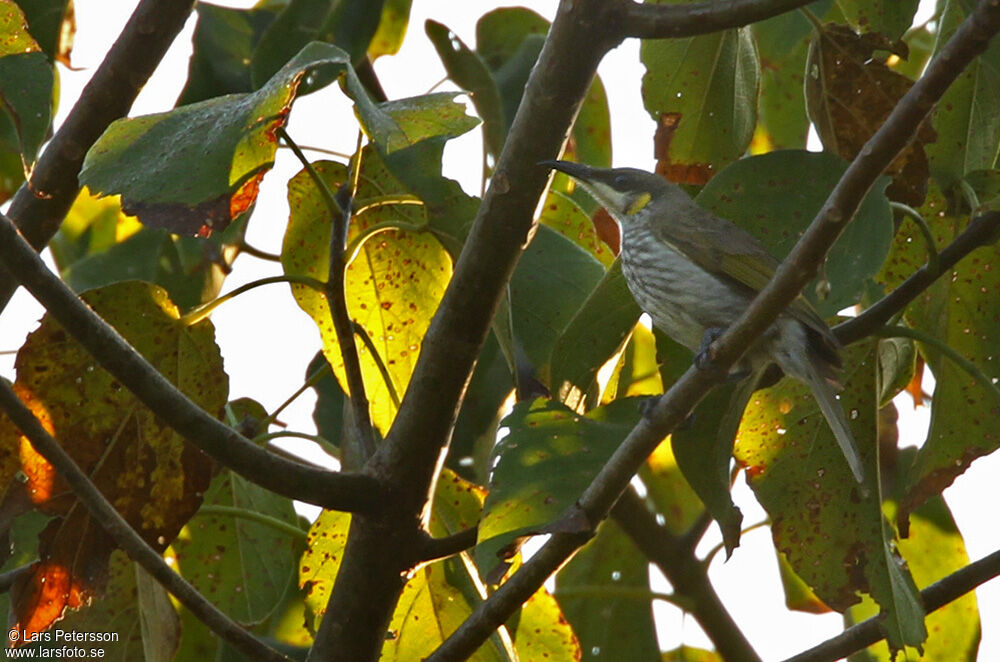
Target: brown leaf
850,93
146,470
696,174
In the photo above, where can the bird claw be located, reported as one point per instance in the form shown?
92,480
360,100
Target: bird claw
704,359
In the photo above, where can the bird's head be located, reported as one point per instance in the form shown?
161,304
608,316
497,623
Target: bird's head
624,192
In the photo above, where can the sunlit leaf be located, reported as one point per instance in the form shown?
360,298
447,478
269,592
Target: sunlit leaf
391,28
833,537
392,287
196,168
564,216
545,438
242,565
154,478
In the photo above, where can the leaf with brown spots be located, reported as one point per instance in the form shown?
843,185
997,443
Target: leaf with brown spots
147,471
193,169
850,93
393,285
835,539
961,309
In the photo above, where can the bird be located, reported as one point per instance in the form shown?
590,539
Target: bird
694,273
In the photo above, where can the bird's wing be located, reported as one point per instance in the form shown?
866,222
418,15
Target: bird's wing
750,264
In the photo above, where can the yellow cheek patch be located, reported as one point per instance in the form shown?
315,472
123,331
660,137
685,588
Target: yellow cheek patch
638,204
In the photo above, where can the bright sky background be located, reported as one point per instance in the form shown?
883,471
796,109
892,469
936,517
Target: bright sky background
267,341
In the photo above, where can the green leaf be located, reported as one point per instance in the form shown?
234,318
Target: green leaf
601,323
703,446
319,564
590,141
933,549
552,280
889,17
391,28
782,42
393,286
960,312
775,196
837,541
224,41
896,364
509,40
545,439
25,83
467,70
475,429
561,213
604,592
347,24
196,168
328,415
243,565
52,24
702,92
968,129
542,632
689,654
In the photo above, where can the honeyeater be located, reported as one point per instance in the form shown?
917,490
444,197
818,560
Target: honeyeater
694,273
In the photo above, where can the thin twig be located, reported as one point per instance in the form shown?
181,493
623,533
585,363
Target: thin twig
340,208
432,549
687,574
337,491
39,208
981,231
935,596
687,20
125,536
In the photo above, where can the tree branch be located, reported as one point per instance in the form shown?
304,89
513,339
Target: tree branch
338,491
935,596
969,40
665,21
39,207
125,537
982,231
432,549
686,574
407,461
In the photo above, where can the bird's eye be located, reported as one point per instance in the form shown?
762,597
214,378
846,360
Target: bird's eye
620,181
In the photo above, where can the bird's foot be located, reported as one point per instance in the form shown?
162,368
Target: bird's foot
704,359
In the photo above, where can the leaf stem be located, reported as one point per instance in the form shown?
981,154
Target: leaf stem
379,363
965,364
253,516
354,247
933,260
340,209
199,313
311,381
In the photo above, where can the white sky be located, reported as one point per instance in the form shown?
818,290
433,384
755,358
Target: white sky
267,340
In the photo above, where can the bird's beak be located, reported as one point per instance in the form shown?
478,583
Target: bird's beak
576,170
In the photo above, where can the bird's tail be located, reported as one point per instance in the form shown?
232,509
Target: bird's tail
834,414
